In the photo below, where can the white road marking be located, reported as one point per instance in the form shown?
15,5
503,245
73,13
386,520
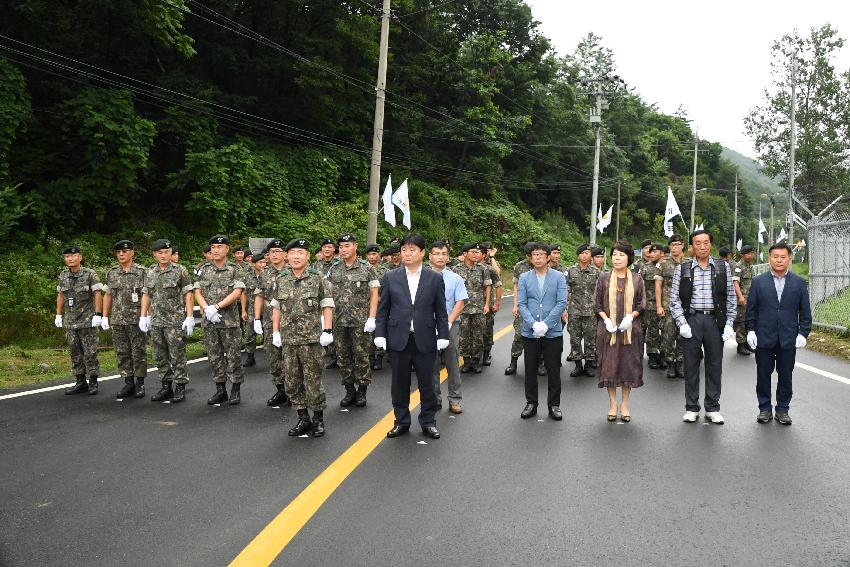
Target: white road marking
823,373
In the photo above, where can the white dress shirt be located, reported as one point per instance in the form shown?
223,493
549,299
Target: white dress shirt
413,286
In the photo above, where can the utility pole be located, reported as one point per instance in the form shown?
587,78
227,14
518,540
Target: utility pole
378,129
793,146
694,194
617,230
772,222
758,240
735,223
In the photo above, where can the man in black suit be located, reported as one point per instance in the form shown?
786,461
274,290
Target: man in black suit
779,318
412,323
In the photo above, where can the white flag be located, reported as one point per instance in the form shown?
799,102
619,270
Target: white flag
782,236
401,200
739,244
670,212
389,209
699,227
762,230
604,220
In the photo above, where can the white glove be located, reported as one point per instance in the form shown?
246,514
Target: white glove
188,325
58,321
276,340
104,323
539,328
380,342
800,342
442,344
211,313
626,323
258,326
145,323
450,325
326,338
369,327
728,333
685,331
96,321
610,326
752,340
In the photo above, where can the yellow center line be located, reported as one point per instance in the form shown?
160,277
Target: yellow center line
277,534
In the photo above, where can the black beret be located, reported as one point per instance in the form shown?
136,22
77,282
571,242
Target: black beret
327,241
238,248
275,243
666,249
347,237
582,248
597,251
175,249
746,249
675,238
162,244
487,245
646,243
248,253
483,247
299,243
207,248
219,239
724,251
123,245
555,247
469,246
71,249
372,248
656,247
259,257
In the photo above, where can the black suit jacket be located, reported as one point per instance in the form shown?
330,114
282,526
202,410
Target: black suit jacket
778,322
428,313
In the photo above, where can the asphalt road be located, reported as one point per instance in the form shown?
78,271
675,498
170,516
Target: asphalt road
91,481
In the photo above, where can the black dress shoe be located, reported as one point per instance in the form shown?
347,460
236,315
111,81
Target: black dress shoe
511,369
398,431
431,431
555,413
764,416
529,411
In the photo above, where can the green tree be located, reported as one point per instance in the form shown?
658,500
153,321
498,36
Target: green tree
15,112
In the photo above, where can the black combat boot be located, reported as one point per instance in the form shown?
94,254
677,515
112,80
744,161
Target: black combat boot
318,423
680,369
179,393
279,397
235,395
742,349
331,365
140,387
653,361
220,395
303,426
128,389
511,369
671,370
487,359
350,395
92,389
467,365
81,387
578,370
360,400
379,362
249,360
477,363
165,393
589,368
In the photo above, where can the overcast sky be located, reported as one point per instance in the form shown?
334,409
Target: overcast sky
712,58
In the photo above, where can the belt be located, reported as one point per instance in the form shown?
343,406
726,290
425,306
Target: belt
701,311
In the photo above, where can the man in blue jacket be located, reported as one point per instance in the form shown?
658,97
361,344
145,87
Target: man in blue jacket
541,300
779,318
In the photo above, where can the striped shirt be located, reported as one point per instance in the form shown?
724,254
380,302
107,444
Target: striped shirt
701,296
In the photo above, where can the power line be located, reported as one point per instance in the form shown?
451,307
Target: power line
409,14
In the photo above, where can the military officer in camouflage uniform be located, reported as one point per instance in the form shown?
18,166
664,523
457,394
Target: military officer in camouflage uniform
581,319
263,296
516,346
742,279
252,282
652,322
598,254
555,259
217,288
303,300
245,323
326,259
175,253
671,342
78,297
123,301
645,247
355,294
373,256
167,315
473,320
207,258
489,261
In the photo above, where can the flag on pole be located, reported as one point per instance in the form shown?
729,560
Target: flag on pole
670,212
782,236
604,220
762,230
389,209
739,244
401,200
699,227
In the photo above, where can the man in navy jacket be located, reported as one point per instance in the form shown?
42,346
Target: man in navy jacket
779,318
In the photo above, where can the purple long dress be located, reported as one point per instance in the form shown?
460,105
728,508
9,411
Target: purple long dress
619,364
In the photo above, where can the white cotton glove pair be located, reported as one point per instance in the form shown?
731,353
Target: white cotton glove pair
96,321
728,333
626,323
370,325
800,342
258,327
145,323
276,341
752,340
539,329
442,344
212,314
685,331
380,342
104,323
326,338
610,326
188,325
58,321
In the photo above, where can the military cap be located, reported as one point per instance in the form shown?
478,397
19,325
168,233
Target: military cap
646,243
207,248
487,244
582,248
299,243
275,243
347,237
527,248
656,247
724,251
675,238
469,246
238,248
219,239
372,248
123,245
175,249
162,244
554,247
327,241
71,249
259,257
597,251
484,246
249,254
666,249
746,249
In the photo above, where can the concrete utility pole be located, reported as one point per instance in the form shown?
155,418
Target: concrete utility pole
378,129
694,194
772,222
793,147
617,231
735,222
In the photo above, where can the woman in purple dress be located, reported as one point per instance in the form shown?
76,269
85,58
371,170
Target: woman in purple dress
620,301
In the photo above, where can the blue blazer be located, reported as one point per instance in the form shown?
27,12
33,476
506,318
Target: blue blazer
548,308
778,323
395,310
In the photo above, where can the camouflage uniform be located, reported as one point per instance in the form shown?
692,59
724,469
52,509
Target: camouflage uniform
380,270
490,318
167,289
129,341
78,288
300,301
247,327
516,346
352,293
743,273
252,282
267,285
671,343
223,339
324,268
581,319
652,321
472,320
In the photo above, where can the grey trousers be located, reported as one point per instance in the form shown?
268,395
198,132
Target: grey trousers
452,367
707,338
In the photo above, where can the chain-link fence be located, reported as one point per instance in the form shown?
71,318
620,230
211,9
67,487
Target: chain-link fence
829,271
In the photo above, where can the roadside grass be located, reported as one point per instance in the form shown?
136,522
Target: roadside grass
833,344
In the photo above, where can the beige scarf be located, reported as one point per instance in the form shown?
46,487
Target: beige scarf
628,300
